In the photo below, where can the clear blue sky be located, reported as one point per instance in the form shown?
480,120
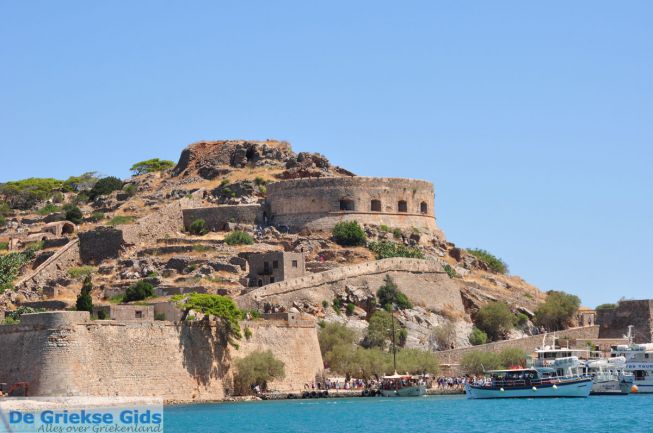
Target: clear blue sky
533,119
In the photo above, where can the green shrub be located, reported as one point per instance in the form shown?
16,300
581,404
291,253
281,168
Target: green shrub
606,307
105,186
3,220
379,331
521,319
349,310
139,291
238,237
151,165
84,299
445,335
121,219
416,361
335,334
79,183
247,333
24,194
160,316
81,271
4,246
325,304
10,265
257,369
198,227
349,233
337,304
225,182
102,315
384,228
397,233
130,189
221,307
48,209
389,295
387,249
13,317
557,311
477,337
513,356
74,214
494,263
97,216
451,272
259,181
496,319
477,362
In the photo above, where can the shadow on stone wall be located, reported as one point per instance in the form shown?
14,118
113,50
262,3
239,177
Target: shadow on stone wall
205,350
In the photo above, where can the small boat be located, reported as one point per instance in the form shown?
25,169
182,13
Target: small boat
530,382
609,376
402,386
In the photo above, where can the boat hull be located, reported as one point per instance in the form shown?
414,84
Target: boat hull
611,387
408,391
580,388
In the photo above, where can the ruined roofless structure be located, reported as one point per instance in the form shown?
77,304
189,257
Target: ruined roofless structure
320,203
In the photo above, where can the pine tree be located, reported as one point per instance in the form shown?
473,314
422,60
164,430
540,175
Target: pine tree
84,300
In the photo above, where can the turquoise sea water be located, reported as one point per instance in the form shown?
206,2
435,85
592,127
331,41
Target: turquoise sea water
450,414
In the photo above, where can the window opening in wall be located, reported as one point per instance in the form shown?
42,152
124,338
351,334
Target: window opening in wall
375,205
266,267
139,314
346,204
294,263
402,206
275,264
423,207
271,280
260,283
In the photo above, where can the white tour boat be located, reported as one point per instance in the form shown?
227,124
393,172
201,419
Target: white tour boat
610,377
529,383
639,362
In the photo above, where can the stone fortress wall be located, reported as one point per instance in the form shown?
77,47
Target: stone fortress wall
424,281
320,203
614,322
64,353
216,218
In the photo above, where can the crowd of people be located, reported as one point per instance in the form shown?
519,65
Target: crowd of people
442,383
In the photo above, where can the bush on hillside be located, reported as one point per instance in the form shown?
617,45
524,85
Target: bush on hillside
105,186
477,362
493,262
335,334
198,227
389,295
151,165
349,233
220,307
606,307
84,299
238,237
82,182
477,337
379,331
495,319
139,291
558,310
24,194
444,335
74,214
388,249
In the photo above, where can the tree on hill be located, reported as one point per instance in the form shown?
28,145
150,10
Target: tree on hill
221,307
557,311
151,165
84,299
389,295
495,319
105,186
379,331
73,214
139,291
349,233
26,193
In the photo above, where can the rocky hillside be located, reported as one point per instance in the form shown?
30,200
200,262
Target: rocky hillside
46,269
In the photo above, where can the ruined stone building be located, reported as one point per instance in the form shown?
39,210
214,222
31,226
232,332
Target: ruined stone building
274,266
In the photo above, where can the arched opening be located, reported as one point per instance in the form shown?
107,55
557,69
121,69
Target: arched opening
346,204
260,283
375,205
402,206
423,207
67,228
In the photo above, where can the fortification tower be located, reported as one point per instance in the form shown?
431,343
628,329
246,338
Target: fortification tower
320,203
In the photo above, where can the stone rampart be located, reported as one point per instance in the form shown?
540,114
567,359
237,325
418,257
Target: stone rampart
320,203
63,353
528,344
424,281
216,218
614,322
54,267
100,244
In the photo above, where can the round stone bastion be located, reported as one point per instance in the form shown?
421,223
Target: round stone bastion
320,203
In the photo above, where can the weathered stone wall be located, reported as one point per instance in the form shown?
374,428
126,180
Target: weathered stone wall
614,322
216,218
53,268
100,244
528,344
424,281
262,269
63,353
315,203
